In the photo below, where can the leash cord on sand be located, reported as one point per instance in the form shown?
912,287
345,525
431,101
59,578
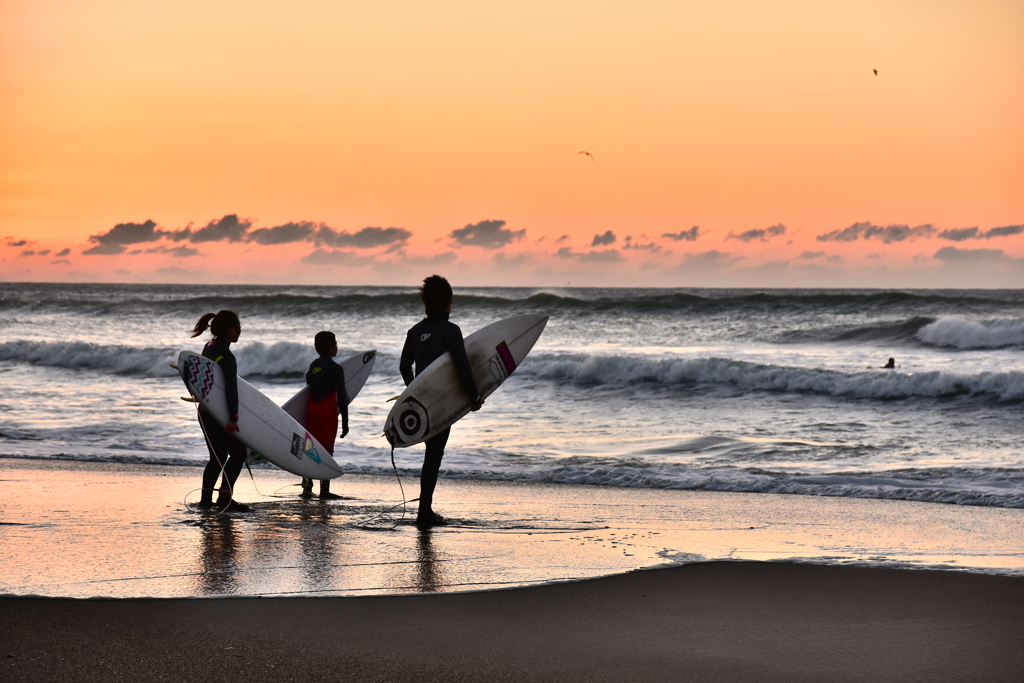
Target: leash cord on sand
253,478
403,503
400,487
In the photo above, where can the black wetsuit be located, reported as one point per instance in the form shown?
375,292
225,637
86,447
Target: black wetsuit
326,378
425,342
226,452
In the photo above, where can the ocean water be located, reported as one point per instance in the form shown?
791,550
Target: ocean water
769,391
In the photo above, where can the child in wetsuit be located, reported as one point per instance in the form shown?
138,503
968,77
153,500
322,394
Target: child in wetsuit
425,342
227,453
327,398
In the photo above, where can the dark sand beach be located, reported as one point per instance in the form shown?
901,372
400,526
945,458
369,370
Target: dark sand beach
723,621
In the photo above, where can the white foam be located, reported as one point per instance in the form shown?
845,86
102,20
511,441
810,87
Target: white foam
627,370
994,487
115,359
254,358
961,333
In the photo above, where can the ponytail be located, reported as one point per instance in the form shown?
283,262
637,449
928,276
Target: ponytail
219,323
202,324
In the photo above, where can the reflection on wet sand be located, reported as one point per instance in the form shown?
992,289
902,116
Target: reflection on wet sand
429,572
316,541
218,556
97,543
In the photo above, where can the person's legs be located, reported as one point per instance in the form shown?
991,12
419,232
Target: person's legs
236,459
227,455
215,439
428,475
325,490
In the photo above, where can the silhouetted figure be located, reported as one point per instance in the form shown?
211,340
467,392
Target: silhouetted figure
227,453
327,398
876,71
425,342
891,364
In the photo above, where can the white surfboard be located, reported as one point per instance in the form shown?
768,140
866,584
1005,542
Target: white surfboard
436,399
357,368
262,425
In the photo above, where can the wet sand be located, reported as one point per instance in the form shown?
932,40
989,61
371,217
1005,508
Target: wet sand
723,621
102,530
532,582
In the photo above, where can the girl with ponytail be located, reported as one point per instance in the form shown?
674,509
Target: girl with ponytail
227,454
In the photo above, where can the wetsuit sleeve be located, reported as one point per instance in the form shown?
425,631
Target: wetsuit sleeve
457,347
408,356
230,367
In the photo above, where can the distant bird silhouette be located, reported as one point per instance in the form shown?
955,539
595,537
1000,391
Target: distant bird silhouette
588,154
876,71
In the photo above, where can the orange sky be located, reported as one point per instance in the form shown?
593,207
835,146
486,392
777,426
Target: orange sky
433,118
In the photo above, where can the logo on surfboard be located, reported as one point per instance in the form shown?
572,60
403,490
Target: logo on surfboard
304,445
200,374
412,423
503,364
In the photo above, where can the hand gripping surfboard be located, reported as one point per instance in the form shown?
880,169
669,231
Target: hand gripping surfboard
436,399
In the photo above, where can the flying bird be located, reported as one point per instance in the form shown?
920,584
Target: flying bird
588,154
876,71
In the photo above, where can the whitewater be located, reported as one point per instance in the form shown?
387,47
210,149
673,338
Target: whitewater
760,391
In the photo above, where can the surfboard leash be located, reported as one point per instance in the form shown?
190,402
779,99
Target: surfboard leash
404,502
223,465
252,477
400,487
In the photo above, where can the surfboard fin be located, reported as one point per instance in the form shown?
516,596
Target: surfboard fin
393,398
190,399
173,366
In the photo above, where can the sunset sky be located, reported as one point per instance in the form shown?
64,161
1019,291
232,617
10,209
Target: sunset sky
744,143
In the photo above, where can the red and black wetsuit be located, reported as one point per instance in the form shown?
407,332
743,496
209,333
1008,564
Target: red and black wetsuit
226,452
425,342
327,398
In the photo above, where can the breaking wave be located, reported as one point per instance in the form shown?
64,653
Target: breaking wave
256,359
960,333
290,359
594,370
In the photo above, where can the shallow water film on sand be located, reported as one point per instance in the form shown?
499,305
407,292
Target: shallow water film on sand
81,529
772,391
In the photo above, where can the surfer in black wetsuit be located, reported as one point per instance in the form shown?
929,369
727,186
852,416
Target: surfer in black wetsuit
327,398
424,343
227,454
